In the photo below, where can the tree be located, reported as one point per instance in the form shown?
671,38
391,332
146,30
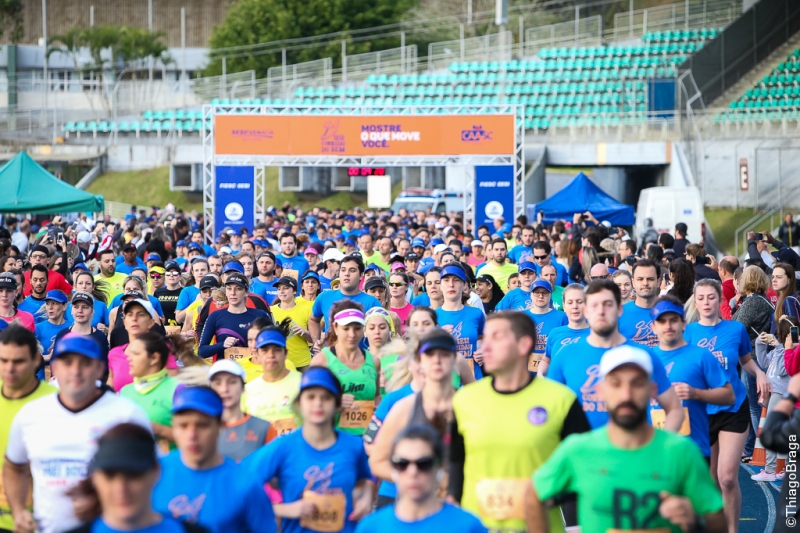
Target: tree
261,21
11,17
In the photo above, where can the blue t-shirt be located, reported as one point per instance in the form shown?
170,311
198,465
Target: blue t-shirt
465,326
166,525
224,324
698,369
544,325
126,269
324,283
297,262
449,518
324,302
265,289
578,367
421,300
221,499
117,301
521,253
563,336
100,315
727,342
46,333
516,299
187,297
35,307
299,467
388,488
562,277
637,325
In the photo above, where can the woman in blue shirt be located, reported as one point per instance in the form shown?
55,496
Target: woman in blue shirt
464,323
318,468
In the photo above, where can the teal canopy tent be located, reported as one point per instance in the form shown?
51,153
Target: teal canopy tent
26,187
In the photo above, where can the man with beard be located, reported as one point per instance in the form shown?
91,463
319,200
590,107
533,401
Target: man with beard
576,365
108,273
289,258
636,324
650,479
262,284
34,304
497,266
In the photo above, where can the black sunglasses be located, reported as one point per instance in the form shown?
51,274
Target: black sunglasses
423,464
540,257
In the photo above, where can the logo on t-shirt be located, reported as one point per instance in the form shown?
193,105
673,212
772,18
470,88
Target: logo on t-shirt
644,334
711,344
537,416
184,508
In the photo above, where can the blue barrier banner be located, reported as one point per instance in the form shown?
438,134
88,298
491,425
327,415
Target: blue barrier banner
494,195
234,198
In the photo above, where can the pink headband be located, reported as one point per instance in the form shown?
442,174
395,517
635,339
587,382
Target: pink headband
348,316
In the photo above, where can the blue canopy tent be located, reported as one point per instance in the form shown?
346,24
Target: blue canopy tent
581,195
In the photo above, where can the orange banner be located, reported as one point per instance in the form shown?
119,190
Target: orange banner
364,135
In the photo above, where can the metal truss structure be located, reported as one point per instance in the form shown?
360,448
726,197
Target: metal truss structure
211,160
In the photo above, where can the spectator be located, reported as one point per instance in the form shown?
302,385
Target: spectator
727,268
681,276
681,242
667,242
784,284
789,232
697,255
21,238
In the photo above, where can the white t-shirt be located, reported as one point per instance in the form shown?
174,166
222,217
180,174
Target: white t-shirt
59,444
475,301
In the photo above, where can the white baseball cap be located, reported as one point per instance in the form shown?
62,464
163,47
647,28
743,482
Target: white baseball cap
84,236
625,355
144,303
332,254
476,242
440,248
226,365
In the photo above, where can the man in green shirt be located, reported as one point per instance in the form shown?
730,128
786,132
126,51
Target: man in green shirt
499,267
108,273
550,273
628,475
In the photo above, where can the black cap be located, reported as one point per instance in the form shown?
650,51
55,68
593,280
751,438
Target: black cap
81,296
443,342
8,281
135,455
209,282
136,295
412,256
40,248
373,282
288,281
683,228
128,247
485,279
238,279
172,265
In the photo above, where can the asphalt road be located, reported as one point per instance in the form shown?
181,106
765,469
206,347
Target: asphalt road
759,501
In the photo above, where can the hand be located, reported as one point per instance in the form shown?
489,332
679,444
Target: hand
362,506
751,235
45,239
764,388
576,218
684,391
768,237
23,522
347,401
102,327
230,341
478,356
303,508
788,344
678,510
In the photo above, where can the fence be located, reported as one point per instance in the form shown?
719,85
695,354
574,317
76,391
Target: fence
743,44
490,47
393,61
287,77
571,33
714,13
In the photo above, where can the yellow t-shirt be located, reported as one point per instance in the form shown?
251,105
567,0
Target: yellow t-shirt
252,370
192,310
114,286
271,401
297,347
500,273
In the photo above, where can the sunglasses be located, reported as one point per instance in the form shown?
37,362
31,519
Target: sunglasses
540,257
423,464
155,275
397,284
173,273
601,277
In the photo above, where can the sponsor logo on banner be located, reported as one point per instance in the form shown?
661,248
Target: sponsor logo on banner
382,135
331,141
252,135
476,134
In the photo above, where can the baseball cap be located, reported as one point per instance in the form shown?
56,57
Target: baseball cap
238,279
349,217
442,342
153,257
476,242
56,295
454,270
270,337
129,247
230,232
665,306
412,256
288,281
144,303
233,266
332,254
194,246
317,376
625,355
417,242
226,250
132,295
527,265
8,281
226,365
180,243
397,266
80,266
374,282
349,242
506,228
209,282
82,296
83,236
440,248
373,266
135,455
310,250
485,279
349,316
79,344
200,399
541,284
310,275
436,240
172,265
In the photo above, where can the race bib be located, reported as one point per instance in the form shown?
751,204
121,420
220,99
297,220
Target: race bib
533,362
237,353
501,498
329,514
284,426
659,418
358,415
291,273
173,330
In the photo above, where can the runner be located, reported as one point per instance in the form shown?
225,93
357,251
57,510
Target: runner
520,299
490,465
498,267
522,252
8,309
241,434
310,288
82,320
651,479
207,286
418,507
34,304
112,280
729,343
168,294
40,255
550,275
289,258
379,331
270,397
377,287
46,331
197,271
356,369
287,307
322,472
465,324
138,284
635,323
432,297
695,374
53,437
543,256
399,304
576,365
84,282
197,483
546,319
330,260
125,458
623,280
19,360
577,327
262,285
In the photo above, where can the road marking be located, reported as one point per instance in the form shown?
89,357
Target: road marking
770,501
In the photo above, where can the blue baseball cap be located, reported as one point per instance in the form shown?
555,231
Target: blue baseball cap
195,246
527,265
233,266
417,242
541,284
665,306
80,266
350,217
201,399
310,274
57,296
270,336
373,266
443,342
180,243
153,257
454,270
350,242
317,376
79,344
278,262
506,228
436,240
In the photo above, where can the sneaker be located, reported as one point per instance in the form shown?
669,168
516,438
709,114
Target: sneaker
763,476
780,475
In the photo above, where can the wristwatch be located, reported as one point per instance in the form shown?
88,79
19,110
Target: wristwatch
791,397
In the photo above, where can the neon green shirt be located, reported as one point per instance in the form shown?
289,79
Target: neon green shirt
500,273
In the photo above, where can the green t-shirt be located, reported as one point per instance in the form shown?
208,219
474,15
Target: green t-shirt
558,298
157,403
619,489
361,383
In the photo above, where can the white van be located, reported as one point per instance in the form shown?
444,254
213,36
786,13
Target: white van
437,200
669,205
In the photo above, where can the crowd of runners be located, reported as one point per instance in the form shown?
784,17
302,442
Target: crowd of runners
369,371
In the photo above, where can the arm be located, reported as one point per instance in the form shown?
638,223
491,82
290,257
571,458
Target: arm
180,316
536,515
17,483
762,382
380,458
680,512
455,485
791,359
314,328
716,396
673,410
362,499
206,348
319,360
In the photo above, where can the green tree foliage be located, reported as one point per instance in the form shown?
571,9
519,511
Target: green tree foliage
11,19
260,21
